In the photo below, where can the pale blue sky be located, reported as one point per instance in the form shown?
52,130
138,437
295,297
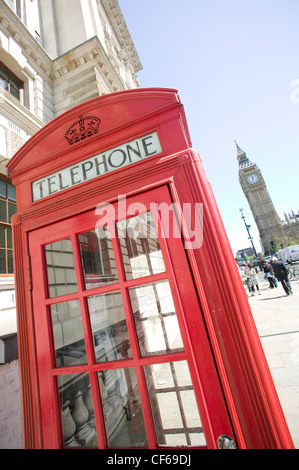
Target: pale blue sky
233,63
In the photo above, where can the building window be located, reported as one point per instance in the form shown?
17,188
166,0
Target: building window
15,5
10,82
8,207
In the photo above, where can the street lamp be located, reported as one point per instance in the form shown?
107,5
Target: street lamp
250,238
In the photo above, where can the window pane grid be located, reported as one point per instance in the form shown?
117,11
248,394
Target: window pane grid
173,403
7,209
10,82
94,282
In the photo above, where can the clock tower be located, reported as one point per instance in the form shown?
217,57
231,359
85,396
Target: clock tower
266,218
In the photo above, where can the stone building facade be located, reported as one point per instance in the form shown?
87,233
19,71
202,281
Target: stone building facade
53,55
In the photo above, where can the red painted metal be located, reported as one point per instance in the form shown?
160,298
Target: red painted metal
233,385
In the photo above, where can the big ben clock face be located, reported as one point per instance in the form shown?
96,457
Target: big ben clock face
252,178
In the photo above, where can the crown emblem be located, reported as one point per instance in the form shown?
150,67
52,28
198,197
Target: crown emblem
83,128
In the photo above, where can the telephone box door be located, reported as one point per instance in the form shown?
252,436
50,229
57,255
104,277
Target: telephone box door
123,355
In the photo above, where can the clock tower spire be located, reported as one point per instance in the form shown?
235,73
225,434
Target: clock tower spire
254,187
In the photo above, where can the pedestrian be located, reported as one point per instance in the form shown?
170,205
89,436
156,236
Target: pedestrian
252,279
268,270
243,278
281,274
246,272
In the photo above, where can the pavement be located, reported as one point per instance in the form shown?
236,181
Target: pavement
276,316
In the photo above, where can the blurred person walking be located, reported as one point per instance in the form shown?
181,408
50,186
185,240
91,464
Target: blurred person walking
281,274
269,275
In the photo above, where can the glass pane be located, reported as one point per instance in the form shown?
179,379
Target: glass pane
97,258
2,236
109,327
9,236
12,209
122,408
3,83
140,247
3,189
2,262
173,403
68,334
155,319
11,192
3,214
14,92
77,411
60,268
15,82
9,262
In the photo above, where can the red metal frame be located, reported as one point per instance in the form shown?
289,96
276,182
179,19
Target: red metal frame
244,396
188,312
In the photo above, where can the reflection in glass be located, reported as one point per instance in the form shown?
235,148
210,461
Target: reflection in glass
68,334
61,268
77,411
2,236
9,237
173,403
109,327
122,408
3,186
140,247
155,319
97,258
11,192
9,261
12,209
2,262
3,211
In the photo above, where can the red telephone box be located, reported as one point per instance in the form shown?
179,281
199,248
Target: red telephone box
134,329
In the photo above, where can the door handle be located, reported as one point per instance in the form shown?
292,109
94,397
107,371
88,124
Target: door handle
225,442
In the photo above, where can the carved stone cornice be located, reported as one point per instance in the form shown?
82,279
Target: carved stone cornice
85,64
118,23
89,51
